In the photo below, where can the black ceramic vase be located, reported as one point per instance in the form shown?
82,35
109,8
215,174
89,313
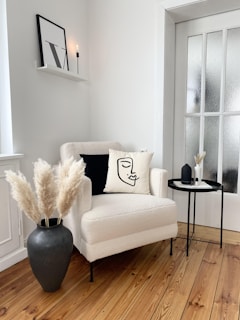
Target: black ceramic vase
49,252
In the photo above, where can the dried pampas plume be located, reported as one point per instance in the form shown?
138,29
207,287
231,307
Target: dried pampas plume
51,191
69,179
46,190
199,157
23,194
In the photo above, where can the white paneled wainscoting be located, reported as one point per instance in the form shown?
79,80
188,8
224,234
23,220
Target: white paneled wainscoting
12,248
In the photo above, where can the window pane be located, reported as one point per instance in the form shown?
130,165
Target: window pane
232,95
231,153
213,71
211,147
194,73
192,139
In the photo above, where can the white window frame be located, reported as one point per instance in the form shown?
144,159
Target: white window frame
6,140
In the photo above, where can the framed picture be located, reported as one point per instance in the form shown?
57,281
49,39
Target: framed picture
52,43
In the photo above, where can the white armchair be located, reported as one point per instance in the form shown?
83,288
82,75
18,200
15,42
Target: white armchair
110,223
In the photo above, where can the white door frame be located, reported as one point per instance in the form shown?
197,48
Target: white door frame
171,12
167,62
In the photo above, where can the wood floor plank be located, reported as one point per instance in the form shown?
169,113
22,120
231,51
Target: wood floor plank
175,298
144,299
137,280
127,281
199,305
227,299
13,273
90,295
210,234
14,287
145,283
32,299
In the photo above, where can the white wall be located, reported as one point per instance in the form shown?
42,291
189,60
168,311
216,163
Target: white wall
125,56
47,110
122,42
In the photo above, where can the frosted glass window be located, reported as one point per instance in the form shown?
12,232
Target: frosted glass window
211,147
194,73
203,118
231,152
232,94
192,139
213,71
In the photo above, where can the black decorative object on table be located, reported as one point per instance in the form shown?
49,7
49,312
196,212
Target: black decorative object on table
186,174
49,252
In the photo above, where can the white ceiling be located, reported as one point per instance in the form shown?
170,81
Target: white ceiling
182,10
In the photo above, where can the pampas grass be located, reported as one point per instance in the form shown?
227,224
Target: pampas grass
51,192
199,157
69,179
46,190
23,194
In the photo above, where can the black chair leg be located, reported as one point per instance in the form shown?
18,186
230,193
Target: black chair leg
171,246
91,272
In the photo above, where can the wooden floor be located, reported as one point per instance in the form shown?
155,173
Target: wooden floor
145,283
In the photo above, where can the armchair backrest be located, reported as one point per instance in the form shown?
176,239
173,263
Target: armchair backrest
74,149
158,177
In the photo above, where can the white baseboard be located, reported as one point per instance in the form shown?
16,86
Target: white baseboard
12,258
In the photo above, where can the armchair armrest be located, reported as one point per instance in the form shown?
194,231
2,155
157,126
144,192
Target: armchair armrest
159,182
84,197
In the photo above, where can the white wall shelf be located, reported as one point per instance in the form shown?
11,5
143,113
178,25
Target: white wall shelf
61,73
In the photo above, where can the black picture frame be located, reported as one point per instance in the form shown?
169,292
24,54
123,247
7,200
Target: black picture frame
52,43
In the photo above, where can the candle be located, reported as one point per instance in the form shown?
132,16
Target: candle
77,51
77,55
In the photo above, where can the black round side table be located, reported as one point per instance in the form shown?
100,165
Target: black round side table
207,186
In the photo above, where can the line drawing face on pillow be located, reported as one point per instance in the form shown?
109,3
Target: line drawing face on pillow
125,171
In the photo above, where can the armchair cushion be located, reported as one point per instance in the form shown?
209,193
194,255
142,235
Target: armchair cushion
128,172
119,222
123,214
96,170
